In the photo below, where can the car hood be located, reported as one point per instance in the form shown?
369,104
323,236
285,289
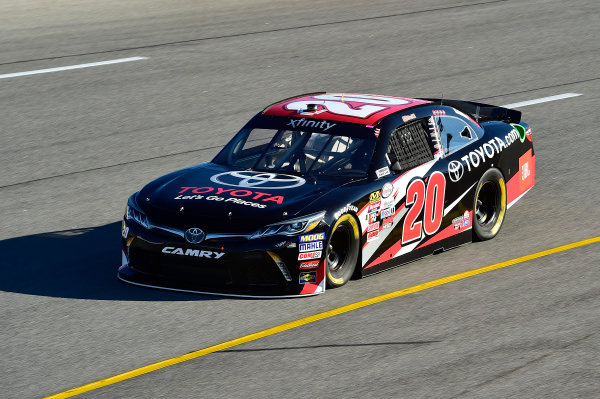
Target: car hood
218,198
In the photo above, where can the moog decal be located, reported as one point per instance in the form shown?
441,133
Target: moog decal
311,237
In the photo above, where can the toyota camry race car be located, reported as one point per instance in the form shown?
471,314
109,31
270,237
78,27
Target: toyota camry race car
320,188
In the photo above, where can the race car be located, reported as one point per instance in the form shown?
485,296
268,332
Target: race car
320,188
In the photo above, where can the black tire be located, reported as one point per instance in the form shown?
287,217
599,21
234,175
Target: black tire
490,205
341,253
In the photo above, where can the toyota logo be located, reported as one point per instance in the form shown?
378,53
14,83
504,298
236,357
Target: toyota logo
263,180
455,170
194,235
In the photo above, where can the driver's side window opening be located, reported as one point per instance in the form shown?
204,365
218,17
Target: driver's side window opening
409,146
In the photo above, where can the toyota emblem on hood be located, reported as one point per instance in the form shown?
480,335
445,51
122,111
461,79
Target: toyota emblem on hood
194,235
264,180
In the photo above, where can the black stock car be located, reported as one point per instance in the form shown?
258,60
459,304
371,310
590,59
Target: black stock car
323,187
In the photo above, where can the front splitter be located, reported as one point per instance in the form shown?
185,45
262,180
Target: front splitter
130,276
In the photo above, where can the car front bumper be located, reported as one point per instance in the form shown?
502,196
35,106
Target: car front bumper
233,267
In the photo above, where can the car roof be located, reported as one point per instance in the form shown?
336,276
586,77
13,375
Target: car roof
363,109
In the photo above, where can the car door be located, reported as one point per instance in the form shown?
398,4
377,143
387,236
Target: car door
397,220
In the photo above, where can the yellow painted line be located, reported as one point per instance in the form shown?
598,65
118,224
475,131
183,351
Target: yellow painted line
311,319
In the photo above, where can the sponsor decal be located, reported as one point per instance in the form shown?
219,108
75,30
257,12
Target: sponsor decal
521,131
195,193
372,236
374,197
376,132
374,207
192,252
263,180
345,209
407,118
387,223
295,123
487,150
382,172
458,219
285,244
455,170
388,212
309,255
373,226
312,237
309,265
461,221
372,217
438,112
525,163
124,230
194,235
387,202
311,246
308,277
525,172
387,190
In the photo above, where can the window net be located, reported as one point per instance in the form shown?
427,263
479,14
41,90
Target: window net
409,146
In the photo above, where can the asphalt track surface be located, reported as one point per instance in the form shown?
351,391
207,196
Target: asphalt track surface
74,144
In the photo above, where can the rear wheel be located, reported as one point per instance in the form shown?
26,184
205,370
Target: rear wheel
490,205
342,251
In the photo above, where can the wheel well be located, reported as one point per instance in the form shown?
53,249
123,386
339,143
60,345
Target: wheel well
358,268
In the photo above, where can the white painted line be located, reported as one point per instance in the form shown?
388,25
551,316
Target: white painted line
541,100
69,67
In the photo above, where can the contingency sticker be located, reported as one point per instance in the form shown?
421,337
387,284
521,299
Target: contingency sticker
311,264
382,172
309,255
312,237
308,277
311,246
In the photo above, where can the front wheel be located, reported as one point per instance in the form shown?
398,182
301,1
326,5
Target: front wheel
490,205
342,251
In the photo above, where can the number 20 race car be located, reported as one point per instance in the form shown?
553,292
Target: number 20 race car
324,187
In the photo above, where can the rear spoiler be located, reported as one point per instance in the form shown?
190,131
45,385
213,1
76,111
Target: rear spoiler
481,112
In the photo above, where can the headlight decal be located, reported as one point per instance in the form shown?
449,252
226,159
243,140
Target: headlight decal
291,227
138,216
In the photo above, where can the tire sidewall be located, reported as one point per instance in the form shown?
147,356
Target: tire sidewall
482,233
352,258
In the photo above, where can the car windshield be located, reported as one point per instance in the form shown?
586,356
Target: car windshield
301,152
